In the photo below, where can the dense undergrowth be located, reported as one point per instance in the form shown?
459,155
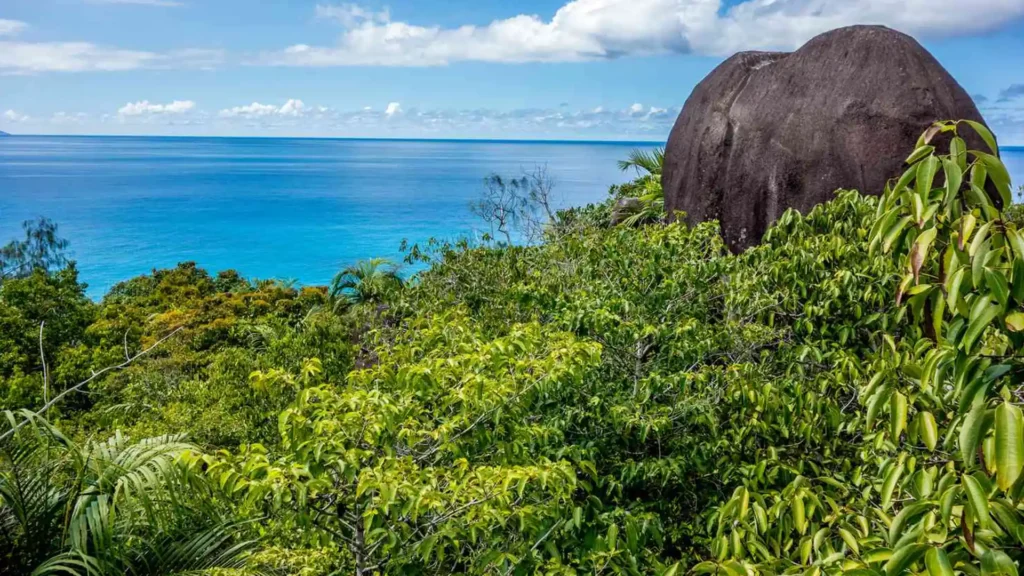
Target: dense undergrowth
629,400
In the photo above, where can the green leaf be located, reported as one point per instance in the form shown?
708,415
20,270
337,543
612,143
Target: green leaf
928,134
893,233
799,519
978,325
977,498
903,558
705,567
979,239
1016,242
998,174
919,153
967,223
889,484
928,430
926,176
1009,444
996,282
875,404
938,563
905,180
850,540
971,432
985,134
997,563
612,537
954,178
958,152
953,290
1015,321
904,517
897,415
1017,280
427,546
919,253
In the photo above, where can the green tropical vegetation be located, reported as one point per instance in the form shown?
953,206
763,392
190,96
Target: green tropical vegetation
630,399
649,203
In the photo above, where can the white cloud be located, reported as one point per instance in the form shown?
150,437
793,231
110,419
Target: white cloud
12,116
292,108
350,14
253,110
27,57
393,119
20,57
145,108
1005,115
650,122
64,118
11,27
601,29
636,109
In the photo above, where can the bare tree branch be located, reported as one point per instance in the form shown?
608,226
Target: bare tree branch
95,375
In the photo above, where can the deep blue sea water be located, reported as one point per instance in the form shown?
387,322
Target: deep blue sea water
296,209
270,208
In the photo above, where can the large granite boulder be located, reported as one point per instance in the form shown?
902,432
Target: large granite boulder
766,131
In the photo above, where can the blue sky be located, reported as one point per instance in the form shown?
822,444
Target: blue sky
601,69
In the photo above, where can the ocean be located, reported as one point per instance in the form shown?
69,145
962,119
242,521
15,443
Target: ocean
293,209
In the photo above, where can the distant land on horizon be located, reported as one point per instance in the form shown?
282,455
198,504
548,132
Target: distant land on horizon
2,133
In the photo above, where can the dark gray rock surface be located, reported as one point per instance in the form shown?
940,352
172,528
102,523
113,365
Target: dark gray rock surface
765,131
624,208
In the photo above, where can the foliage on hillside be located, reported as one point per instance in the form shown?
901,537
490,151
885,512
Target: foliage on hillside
631,399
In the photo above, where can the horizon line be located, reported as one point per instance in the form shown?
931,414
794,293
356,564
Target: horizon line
353,138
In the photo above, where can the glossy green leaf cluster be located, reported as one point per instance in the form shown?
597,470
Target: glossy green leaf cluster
934,426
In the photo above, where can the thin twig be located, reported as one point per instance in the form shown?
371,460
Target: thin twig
46,374
480,419
95,375
537,543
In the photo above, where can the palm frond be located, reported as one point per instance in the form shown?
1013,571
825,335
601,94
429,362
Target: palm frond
111,507
645,162
216,547
365,281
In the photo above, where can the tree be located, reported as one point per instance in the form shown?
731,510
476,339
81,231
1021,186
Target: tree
43,318
646,163
523,205
41,249
107,508
402,488
646,187
370,280
930,478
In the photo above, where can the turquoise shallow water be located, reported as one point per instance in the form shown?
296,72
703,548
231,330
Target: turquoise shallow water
274,208
271,208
